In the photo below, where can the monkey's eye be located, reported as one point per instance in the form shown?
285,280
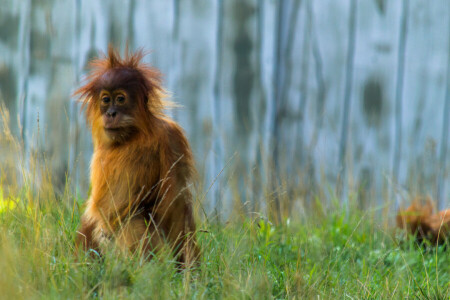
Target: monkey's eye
120,99
105,99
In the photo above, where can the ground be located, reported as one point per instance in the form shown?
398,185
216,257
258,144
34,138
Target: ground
329,254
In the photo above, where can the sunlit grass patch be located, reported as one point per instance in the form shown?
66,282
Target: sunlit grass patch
332,257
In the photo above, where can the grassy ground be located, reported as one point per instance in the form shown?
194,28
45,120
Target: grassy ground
325,256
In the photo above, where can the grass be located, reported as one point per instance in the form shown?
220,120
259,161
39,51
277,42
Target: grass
327,254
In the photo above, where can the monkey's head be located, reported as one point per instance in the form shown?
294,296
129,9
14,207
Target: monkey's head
414,216
121,96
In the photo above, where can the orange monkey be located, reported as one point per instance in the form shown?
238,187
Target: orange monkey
419,219
142,164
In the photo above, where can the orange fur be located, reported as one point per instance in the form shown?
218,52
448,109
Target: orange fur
142,164
419,219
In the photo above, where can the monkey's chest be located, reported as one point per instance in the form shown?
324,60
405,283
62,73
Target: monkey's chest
120,183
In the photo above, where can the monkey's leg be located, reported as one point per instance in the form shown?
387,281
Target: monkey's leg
85,236
179,228
137,236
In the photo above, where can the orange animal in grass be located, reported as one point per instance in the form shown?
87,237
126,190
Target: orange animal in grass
419,219
142,164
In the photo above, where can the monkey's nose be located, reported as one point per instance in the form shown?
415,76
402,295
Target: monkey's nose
111,113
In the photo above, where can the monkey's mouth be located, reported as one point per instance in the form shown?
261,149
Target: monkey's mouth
112,126
113,129
118,132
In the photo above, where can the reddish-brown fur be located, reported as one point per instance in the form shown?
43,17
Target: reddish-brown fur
142,164
419,219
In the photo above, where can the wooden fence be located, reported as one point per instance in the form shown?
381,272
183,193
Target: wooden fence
302,97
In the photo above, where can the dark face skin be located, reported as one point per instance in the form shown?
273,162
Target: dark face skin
116,108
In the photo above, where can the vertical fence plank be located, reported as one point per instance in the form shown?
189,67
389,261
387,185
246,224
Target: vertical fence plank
197,38
399,94
443,166
370,143
217,187
423,97
11,38
24,46
347,102
278,85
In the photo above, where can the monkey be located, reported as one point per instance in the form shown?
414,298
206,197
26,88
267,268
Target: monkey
419,219
142,164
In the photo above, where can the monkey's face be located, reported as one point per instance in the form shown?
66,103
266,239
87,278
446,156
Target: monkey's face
116,108
117,101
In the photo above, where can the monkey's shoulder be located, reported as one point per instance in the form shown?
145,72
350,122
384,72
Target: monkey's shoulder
174,147
173,138
171,128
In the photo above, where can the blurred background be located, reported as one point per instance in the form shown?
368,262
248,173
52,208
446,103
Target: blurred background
284,102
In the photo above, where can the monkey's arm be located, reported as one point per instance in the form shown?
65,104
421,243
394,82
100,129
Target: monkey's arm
85,236
176,219
174,209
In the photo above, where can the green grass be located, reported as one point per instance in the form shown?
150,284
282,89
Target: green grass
325,255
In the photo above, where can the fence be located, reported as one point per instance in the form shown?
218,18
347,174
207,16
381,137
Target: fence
300,94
